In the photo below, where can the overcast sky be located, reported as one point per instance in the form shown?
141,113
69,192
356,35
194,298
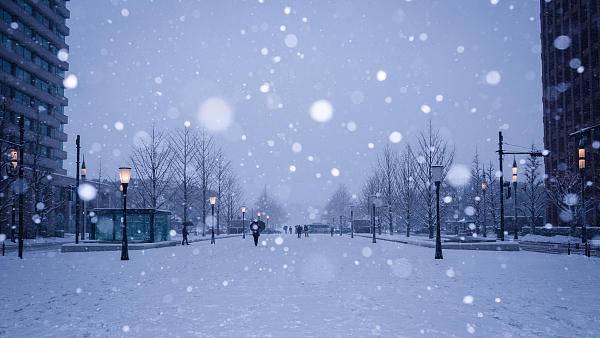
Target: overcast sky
472,66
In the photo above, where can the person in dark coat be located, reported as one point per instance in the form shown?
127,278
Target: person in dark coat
299,231
184,232
255,232
306,231
331,231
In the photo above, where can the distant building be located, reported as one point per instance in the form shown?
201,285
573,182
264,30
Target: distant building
31,77
570,36
33,55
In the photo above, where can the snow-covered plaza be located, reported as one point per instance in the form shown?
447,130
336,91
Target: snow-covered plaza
319,286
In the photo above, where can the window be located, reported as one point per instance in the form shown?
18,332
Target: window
5,66
41,63
25,6
22,75
23,52
5,16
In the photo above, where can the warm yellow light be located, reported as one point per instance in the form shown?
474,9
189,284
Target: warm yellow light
581,153
484,185
582,163
124,174
83,171
244,209
268,217
212,200
14,158
514,178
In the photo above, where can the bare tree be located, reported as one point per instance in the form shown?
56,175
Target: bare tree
339,202
533,189
222,167
387,166
432,149
184,152
564,191
491,196
204,166
474,190
151,161
232,197
371,187
405,186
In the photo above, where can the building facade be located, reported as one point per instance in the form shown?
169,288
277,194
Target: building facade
32,69
32,32
570,34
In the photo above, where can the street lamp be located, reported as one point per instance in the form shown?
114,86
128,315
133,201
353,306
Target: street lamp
213,201
373,217
77,202
258,215
83,173
14,158
514,182
268,218
581,156
124,176
484,187
436,174
351,221
243,224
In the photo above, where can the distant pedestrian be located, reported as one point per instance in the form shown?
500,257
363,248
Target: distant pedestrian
285,229
255,232
184,232
212,235
299,231
331,229
306,231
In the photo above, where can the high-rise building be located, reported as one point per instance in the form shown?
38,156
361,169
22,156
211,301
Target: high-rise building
570,37
32,69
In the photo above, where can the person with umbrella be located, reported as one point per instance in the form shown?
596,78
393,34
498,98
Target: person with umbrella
256,227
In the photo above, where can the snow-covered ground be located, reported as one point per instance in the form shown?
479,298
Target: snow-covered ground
288,287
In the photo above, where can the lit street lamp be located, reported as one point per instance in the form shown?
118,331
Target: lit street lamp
243,224
436,174
268,218
83,173
258,214
581,157
213,201
514,182
124,176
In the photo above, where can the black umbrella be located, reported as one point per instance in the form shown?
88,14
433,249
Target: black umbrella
260,226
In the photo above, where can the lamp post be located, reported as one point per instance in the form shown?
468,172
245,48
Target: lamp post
373,217
83,173
514,182
581,156
258,215
341,222
352,222
21,184
243,223
436,174
484,187
213,201
125,177
268,218
77,202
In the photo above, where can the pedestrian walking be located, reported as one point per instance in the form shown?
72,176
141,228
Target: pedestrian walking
299,231
255,232
306,231
184,232
331,230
